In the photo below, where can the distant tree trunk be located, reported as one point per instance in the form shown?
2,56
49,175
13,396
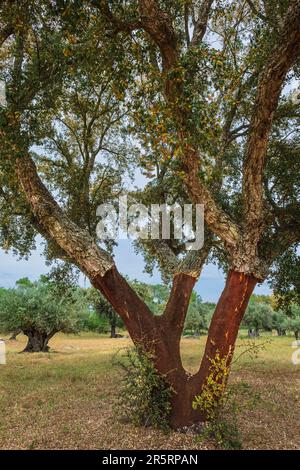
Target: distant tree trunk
296,335
15,334
162,334
281,332
38,340
113,332
251,333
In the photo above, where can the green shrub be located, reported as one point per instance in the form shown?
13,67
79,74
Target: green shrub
93,322
221,404
146,395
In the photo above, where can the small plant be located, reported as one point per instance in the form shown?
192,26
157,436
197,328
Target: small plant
146,395
221,403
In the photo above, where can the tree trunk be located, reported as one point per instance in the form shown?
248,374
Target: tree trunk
113,330
38,341
225,325
297,335
162,335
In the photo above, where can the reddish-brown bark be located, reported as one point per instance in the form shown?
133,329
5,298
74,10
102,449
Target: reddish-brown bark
161,335
221,339
226,320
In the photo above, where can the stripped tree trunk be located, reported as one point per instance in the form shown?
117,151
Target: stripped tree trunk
221,340
226,320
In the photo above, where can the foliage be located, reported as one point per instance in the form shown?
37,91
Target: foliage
198,316
221,403
107,317
146,395
286,278
36,306
258,316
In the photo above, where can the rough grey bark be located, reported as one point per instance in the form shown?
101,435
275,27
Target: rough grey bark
75,242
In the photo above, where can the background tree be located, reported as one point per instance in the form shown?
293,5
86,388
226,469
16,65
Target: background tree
280,322
198,316
105,311
39,312
258,316
292,322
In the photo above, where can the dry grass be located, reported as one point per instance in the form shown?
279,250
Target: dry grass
65,399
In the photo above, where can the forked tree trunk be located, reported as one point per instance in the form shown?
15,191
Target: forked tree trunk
221,340
161,333
37,340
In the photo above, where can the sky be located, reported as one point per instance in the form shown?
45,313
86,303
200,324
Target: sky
209,286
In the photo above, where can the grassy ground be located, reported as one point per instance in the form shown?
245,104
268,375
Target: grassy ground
66,399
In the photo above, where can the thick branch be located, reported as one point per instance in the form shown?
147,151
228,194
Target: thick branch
285,237
286,234
282,58
186,275
194,261
81,248
201,24
158,25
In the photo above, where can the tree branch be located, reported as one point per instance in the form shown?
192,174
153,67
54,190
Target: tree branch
201,23
119,25
283,56
158,25
256,11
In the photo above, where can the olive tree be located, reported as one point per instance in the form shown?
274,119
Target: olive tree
40,313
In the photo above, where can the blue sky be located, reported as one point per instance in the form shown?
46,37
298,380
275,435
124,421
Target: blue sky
209,286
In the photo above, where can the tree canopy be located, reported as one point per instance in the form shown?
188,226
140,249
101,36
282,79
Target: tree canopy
39,312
